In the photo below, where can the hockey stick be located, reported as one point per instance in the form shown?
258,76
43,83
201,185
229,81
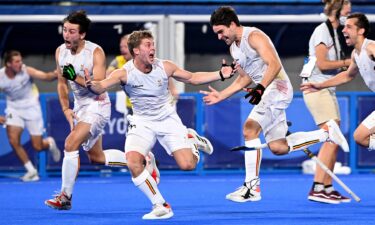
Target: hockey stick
330,173
244,148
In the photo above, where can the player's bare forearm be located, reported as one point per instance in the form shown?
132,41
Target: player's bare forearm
63,92
237,85
270,74
339,79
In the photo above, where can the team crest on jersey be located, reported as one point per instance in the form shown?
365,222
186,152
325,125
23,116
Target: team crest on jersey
160,83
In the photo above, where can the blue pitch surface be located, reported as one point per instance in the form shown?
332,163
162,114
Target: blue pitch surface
194,199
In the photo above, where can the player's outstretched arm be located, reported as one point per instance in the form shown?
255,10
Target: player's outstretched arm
41,75
98,87
197,77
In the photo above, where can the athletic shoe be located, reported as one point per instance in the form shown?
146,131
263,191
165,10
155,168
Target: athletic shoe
30,176
60,201
322,196
55,151
152,168
159,211
249,191
335,135
203,143
337,195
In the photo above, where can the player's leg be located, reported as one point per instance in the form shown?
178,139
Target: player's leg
250,190
323,107
70,166
329,133
181,142
14,137
36,129
15,125
201,142
140,139
364,134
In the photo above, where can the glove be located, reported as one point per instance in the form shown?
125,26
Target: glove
69,73
255,93
231,75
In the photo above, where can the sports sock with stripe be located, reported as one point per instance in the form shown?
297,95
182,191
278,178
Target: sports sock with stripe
149,187
253,160
302,140
114,158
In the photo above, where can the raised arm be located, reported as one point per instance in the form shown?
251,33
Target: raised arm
213,96
197,77
339,79
41,75
98,87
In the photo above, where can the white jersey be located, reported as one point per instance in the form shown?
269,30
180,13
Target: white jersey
19,90
149,92
83,60
366,65
254,65
320,35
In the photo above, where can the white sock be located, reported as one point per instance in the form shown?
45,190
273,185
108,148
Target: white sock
302,140
29,166
114,158
149,187
371,144
70,168
253,160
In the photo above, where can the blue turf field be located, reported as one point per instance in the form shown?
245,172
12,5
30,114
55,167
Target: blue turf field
195,200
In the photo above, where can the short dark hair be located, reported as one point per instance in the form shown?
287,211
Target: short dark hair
136,38
8,55
362,22
224,15
79,17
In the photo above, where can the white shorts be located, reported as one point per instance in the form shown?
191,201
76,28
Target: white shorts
369,122
30,118
97,114
270,112
142,134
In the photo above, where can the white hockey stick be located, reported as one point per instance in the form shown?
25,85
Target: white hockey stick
329,172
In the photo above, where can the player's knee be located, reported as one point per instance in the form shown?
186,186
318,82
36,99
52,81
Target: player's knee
37,146
250,131
358,137
187,165
71,144
278,149
94,158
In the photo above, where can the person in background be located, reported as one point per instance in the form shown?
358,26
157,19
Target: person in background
23,110
356,30
326,52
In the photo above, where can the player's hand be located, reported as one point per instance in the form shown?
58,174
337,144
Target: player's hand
211,97
227,71
88,82
310,87
69,72
70,117
2,120
255,93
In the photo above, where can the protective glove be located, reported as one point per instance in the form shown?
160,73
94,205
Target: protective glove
255,93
